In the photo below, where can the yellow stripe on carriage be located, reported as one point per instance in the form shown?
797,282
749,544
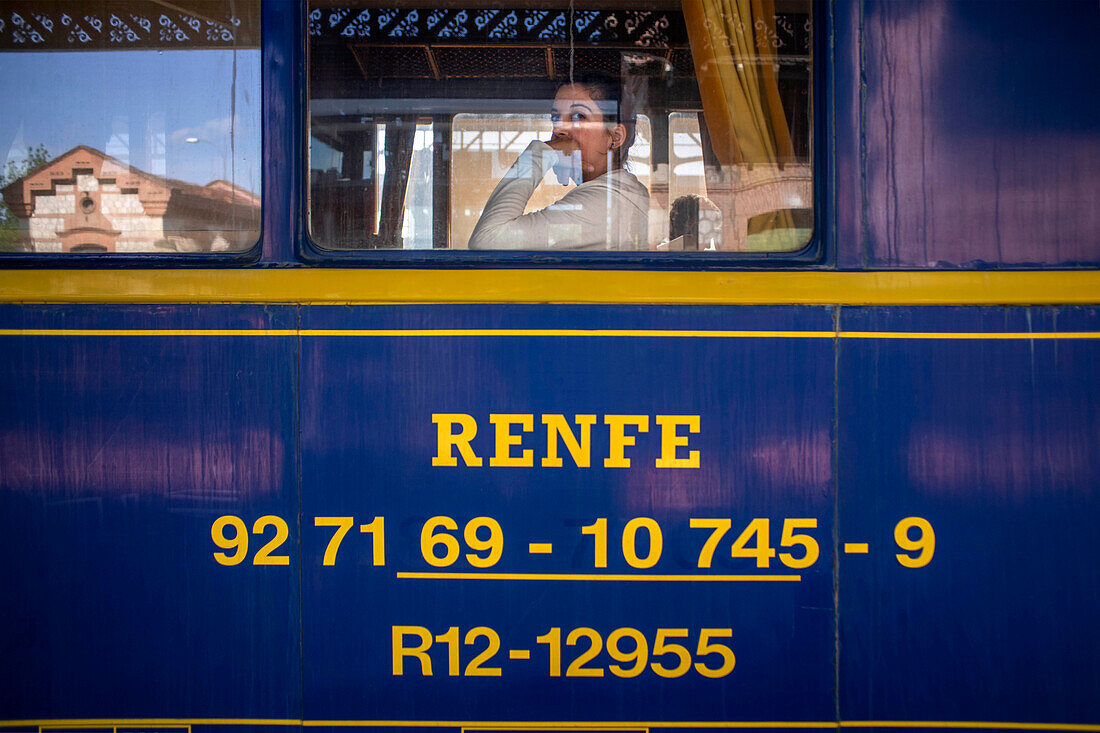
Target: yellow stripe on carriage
364,285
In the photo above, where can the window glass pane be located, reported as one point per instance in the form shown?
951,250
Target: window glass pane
129,127
484,147
463,126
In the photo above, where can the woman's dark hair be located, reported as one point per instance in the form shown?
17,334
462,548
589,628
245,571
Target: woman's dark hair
606,88
683,219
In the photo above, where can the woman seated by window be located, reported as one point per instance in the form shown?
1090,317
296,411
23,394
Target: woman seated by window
593,130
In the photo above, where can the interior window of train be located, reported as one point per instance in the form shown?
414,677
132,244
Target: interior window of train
129,126
599,125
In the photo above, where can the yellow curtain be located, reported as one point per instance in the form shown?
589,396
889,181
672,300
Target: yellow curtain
732,44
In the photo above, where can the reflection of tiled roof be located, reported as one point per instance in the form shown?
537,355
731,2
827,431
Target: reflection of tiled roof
219,190
129,210
231,193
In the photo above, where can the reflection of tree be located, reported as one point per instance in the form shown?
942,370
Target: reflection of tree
9,223
86,201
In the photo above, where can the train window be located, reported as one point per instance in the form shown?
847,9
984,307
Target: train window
129,126
561,127
485,147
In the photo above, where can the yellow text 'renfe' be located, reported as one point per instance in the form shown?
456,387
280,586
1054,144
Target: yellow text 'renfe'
458,430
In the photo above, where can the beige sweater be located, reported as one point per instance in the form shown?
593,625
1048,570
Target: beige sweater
607,213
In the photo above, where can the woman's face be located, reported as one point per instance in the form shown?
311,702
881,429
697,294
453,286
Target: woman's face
579,124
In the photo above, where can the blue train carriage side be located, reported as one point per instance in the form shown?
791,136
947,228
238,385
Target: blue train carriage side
549,366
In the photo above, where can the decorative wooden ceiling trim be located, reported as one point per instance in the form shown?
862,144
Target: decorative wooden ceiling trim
634,28
45,25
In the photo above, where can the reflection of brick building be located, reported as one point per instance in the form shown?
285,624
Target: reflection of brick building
87,201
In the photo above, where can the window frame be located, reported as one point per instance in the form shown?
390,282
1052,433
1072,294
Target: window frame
170,260
815,255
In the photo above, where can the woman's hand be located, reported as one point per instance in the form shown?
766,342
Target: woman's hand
563,142
566,158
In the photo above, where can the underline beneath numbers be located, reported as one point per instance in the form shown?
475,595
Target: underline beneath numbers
599,577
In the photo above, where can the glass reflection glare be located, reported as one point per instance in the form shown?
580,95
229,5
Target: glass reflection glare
130,151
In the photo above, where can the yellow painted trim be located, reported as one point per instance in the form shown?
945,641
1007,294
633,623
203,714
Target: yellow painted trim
562,332
981,335
528,724
148,332
601,332
116,725
564,724
553,726
597,577
135,722
330,285
973,725
436,332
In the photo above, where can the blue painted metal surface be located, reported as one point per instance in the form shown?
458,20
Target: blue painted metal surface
965,138
765,407
284,166
995,443
117,455
121,452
